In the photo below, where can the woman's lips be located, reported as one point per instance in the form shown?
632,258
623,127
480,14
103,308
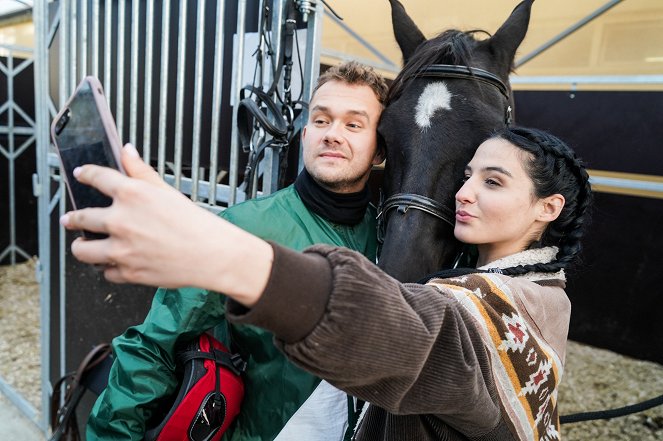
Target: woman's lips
463,216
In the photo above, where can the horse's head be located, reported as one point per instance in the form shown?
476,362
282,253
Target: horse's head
452,92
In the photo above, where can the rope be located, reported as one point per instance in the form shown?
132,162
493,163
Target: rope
611,413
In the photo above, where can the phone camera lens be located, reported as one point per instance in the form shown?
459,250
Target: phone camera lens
62,122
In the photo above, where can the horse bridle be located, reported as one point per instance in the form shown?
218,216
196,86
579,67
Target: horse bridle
404,201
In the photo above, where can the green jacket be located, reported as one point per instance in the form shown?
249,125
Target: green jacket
143,371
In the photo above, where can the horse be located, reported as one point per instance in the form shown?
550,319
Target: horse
452,92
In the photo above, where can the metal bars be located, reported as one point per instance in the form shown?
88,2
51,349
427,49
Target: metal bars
19,134
14,132
162,65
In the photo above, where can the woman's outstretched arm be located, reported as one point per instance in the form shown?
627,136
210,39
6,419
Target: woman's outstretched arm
159,237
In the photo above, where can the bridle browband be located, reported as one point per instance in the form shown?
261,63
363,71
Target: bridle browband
404,201
464,72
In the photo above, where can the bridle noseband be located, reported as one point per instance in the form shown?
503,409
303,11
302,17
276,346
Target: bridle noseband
404,201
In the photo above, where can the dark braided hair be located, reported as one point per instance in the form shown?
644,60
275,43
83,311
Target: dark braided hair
554,168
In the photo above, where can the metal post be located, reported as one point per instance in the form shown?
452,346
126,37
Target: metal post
216,104
133,94
270,176
72,43
83,69
119,95
234,142
198,98
179,101
41,190
163,85
147,104
311,65
108,49
95,38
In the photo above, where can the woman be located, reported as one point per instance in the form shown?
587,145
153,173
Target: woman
478,356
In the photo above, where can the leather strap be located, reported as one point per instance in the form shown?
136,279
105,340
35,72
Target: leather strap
63,418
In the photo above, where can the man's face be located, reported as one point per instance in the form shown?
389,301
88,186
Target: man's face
340,139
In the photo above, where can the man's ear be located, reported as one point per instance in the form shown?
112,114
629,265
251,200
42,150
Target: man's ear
304,132
551,207
381,150
379,155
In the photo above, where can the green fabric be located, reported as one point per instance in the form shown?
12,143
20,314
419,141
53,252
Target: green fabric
275,388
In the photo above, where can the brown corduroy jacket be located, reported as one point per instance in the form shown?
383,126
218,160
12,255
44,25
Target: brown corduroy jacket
477,357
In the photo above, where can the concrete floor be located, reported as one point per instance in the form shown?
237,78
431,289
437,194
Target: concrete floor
15,426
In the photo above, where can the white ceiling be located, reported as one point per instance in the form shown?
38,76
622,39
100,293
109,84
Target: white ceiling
9,6
625,40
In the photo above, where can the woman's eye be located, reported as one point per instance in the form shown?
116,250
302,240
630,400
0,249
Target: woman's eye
354,126
464,179
492,182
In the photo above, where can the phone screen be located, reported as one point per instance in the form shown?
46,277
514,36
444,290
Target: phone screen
81,139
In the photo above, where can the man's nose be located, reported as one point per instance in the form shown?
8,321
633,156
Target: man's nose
333,133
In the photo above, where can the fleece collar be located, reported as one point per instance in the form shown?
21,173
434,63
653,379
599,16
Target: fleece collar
528,257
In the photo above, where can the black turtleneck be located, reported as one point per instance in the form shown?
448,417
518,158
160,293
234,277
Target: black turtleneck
340,208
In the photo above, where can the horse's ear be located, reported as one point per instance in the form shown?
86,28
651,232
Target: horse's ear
408,36
508,37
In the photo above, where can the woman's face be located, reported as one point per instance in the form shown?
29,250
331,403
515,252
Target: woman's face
496,208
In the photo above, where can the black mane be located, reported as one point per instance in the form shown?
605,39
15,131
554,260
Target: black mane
450,47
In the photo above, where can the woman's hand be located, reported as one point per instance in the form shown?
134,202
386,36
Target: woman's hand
159,237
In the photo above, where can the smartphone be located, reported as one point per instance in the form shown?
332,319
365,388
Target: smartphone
84,132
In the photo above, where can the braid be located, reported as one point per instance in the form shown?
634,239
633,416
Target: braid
554,168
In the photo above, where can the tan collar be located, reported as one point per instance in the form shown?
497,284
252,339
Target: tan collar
528,257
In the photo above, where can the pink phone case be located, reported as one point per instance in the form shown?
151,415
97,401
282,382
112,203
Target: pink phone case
103,116
84,133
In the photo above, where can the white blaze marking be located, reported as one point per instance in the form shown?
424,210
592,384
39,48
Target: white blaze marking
435,96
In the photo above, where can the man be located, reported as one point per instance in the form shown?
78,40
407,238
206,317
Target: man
329,203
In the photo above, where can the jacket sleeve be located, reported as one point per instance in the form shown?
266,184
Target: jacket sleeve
410,349
143,369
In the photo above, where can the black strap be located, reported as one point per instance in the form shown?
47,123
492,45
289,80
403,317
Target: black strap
465,72
611,413
354,412
403,202
269,119
233,362
63,418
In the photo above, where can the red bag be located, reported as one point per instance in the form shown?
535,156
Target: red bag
210,394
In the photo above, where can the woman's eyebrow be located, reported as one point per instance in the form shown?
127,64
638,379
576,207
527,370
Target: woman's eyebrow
499,170
491,168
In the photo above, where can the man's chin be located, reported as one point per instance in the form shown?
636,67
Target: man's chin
340,185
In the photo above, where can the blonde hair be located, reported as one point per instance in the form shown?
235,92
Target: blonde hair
355,73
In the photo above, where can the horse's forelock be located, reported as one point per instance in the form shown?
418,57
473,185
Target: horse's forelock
450,47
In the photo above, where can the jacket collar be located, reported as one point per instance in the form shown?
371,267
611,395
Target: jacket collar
528,257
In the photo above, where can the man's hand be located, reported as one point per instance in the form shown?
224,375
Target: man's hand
159,237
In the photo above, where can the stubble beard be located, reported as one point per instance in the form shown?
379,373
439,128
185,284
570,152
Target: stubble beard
342,184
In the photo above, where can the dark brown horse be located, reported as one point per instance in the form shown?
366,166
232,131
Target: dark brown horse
452,92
